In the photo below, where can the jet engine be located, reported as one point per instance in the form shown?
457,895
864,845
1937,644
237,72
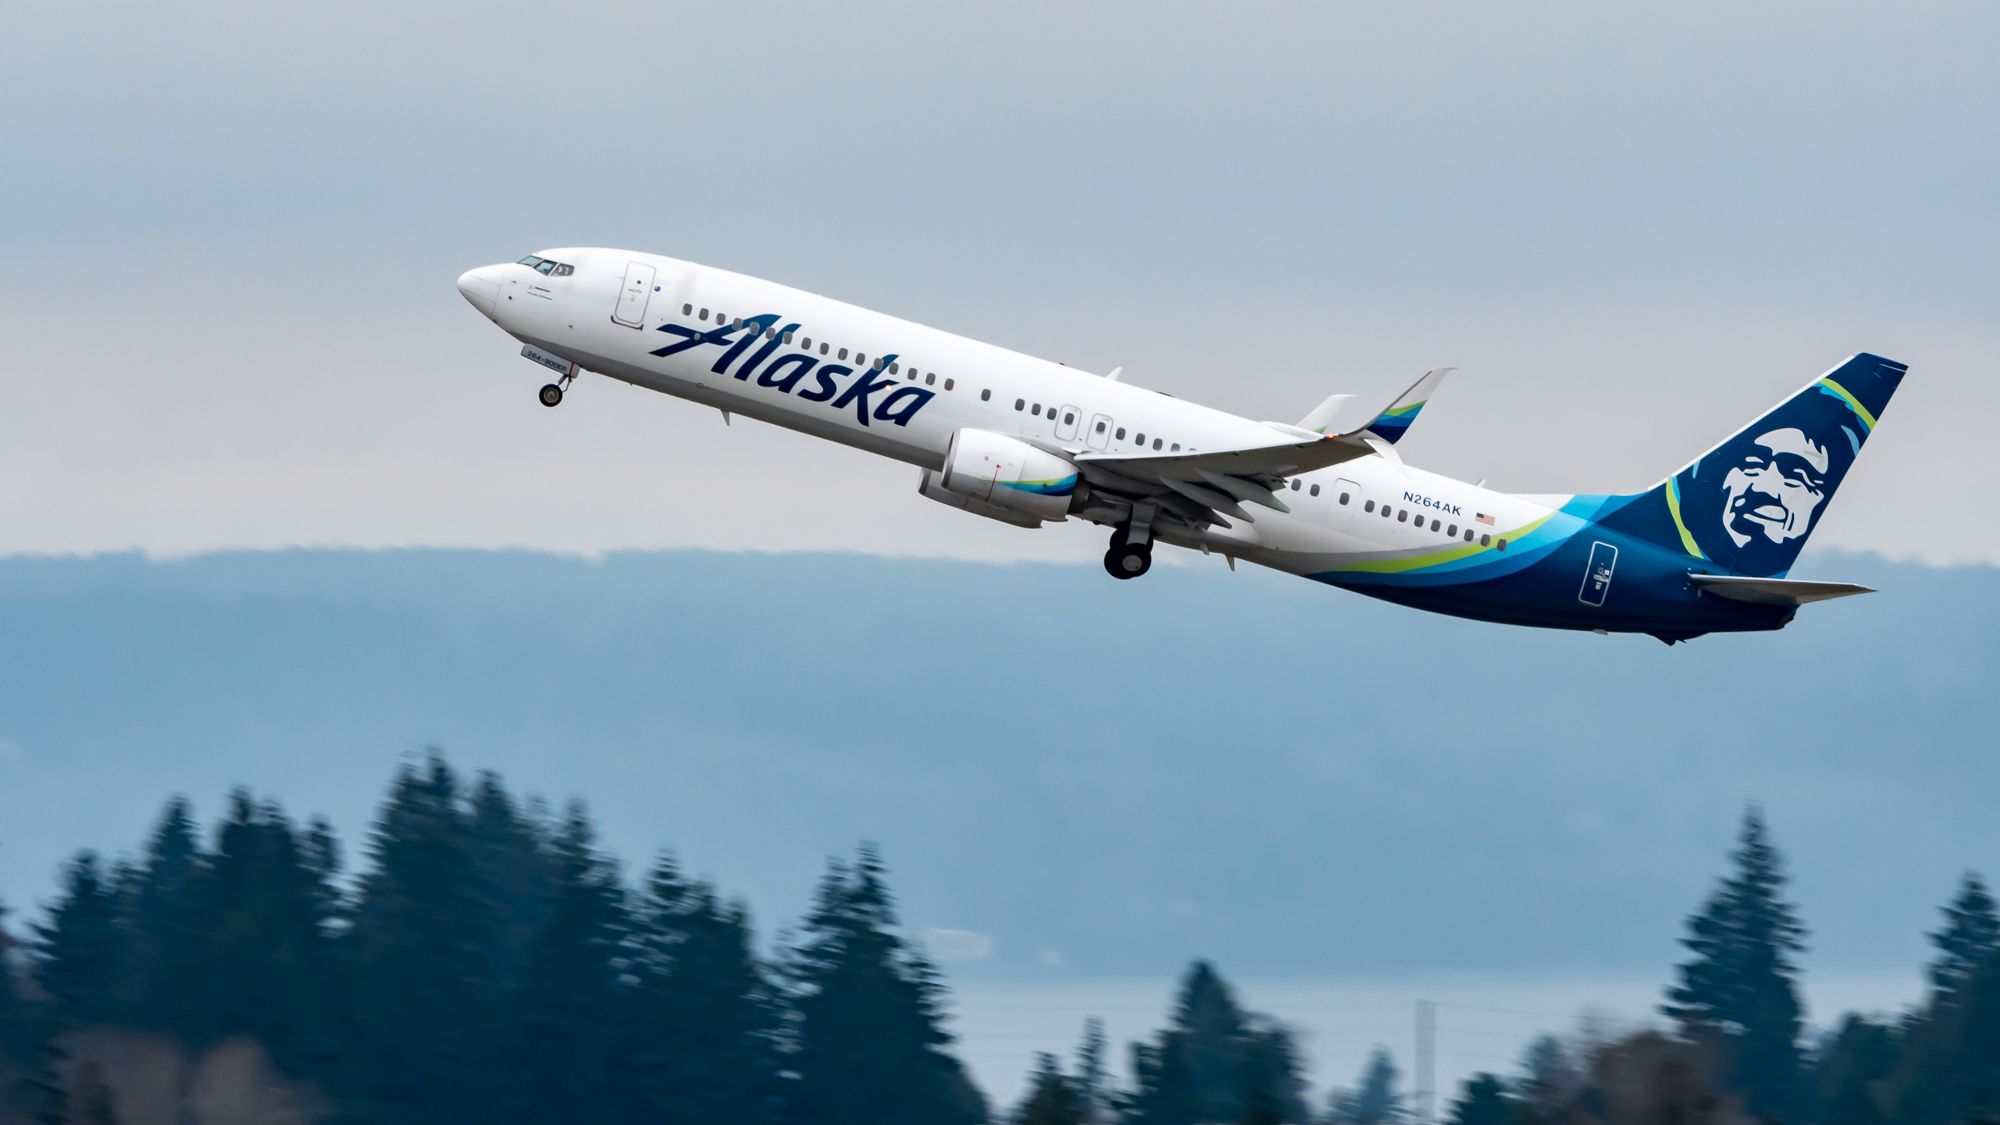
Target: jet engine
1002,478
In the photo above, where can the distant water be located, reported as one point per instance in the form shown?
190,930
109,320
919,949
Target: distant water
1483,1021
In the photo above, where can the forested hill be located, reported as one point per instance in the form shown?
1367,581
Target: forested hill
1099,777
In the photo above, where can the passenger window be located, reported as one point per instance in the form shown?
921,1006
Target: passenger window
1502,544
985,394
1434,525
1100,427
1177,447
1452,531
1140,438
896,368
1402,515
843,353
1343,499
1369,506
737,322
947,384
1120,435
823,347
1385,511
1069,419
931,378
770,333
1020,404
704,314
687,310
1156,443
1314,491
1486,540
1038,410
788,337
859,358
1468,535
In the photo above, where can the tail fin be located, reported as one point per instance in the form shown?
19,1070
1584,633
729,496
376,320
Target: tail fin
1393,423
1748,504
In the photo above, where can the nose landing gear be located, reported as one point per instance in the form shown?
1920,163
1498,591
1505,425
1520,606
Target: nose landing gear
552,394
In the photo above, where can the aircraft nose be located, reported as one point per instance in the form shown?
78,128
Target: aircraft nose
480,288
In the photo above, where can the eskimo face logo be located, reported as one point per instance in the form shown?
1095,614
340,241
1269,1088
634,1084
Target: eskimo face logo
897,404
1751,503
1775,487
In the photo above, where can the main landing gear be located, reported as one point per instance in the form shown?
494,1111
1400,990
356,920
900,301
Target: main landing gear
1131,553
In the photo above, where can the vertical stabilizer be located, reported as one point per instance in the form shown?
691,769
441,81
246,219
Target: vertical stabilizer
1749,504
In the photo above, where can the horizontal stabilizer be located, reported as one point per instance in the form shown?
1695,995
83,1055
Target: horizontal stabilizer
1774,591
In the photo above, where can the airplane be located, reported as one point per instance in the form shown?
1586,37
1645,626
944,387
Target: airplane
1028,442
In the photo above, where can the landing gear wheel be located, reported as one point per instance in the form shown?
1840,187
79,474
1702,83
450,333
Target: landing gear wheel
552,395
1125,561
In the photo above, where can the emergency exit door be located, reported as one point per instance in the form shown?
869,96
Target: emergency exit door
633,298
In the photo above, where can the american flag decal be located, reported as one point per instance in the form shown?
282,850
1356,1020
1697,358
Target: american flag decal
1482,517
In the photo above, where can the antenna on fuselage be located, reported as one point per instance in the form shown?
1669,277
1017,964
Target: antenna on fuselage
1115,373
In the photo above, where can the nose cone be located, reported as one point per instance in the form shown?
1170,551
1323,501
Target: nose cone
480,288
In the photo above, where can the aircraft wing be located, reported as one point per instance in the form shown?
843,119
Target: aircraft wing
1208,481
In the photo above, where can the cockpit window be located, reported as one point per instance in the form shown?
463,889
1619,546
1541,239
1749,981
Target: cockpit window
547,267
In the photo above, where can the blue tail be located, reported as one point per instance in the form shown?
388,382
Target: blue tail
1748,505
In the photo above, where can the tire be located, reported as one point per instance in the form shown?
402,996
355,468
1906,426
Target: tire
552,395
1126,562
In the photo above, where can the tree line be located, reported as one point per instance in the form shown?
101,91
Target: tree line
489,961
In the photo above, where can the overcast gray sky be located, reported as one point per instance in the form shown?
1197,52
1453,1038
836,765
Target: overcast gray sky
233,230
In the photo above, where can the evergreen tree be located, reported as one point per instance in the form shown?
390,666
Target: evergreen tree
871,1046
429,1012
510,858
1375,1100
267,961
1483,1101
1950,1068
1738,994
17,1034
704,1021
1971,936
1163,1090
163,987
1093,1083
1851,1071
83,946
1052,1098
1215,1062
1548,1078
565,1062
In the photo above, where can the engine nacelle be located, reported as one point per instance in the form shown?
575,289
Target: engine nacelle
1003,478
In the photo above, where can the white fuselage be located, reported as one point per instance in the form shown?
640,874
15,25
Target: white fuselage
595,317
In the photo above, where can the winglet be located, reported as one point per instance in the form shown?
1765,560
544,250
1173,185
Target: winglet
1393,423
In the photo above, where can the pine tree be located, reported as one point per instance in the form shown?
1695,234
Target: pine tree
1052,1098
565,1063
1851,1071
17,1034
1375,1100
267,961
1548,1078
1738,993
1483,1101
871,1045
1970,937
83,946
1093,1084
703,1020
162,988
1216,1062
428,1011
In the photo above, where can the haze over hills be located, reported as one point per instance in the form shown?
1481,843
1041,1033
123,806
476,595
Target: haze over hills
1085,777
